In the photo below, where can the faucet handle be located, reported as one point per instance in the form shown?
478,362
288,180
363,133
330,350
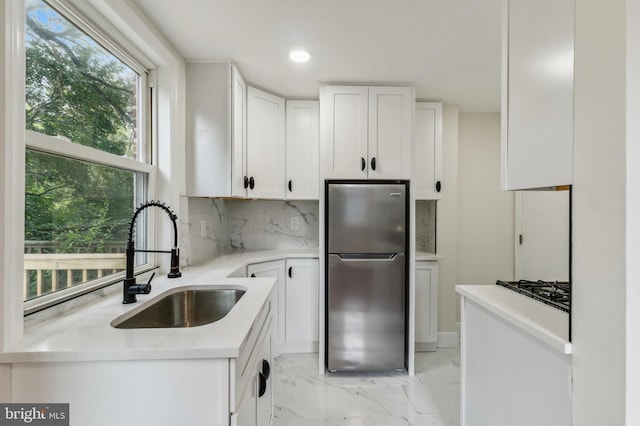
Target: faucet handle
174,272
149,282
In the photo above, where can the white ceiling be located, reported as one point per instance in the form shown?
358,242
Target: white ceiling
448,49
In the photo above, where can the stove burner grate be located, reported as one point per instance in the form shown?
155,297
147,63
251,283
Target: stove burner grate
553,293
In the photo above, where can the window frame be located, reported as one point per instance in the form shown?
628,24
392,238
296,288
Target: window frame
103,33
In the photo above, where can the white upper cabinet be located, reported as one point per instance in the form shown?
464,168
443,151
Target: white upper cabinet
303,135
265,145
537,93
367,132
427,160
391,115
346,110
239,133
215,128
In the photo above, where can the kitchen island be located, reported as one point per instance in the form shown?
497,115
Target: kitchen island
515,359
210,374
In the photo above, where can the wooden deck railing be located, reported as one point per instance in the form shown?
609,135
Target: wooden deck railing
48,272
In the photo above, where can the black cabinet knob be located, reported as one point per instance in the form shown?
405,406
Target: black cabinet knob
290,186
262,385
246,182
266,369
253,275
252,182
373,163
438,186
290,271
363,163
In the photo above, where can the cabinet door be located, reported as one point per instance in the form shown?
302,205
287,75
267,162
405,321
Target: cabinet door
301,300
246,415
265,144
345,124
256,406
537,104
239,133
426,305
264,402
427,160
302,150
207,131
391,112
274,269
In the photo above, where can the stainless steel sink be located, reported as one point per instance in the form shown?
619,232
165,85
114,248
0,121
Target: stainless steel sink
189,307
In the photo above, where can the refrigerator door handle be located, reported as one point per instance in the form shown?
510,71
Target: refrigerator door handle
382,257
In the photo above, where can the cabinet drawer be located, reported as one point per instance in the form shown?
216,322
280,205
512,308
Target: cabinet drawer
240,371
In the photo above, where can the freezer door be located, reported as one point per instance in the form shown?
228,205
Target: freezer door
366,218
366,314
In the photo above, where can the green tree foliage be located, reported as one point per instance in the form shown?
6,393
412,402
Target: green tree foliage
76,89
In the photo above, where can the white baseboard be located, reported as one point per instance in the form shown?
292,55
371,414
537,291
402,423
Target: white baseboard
5,383
295,348
449,339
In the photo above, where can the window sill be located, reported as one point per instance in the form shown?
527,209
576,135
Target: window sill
55,304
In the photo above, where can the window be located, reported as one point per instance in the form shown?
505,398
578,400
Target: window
87,162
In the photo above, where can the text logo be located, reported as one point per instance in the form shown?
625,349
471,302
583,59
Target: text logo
34,414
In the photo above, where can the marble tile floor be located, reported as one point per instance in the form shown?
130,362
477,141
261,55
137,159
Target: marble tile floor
302,397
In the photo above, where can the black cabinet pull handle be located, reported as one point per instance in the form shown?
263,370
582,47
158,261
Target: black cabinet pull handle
363,163
252,182
262,385
246,182
290,186
438,186
290,268
266,369
253,275
373,163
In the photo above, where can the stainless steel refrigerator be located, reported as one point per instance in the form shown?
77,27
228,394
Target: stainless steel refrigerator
366,276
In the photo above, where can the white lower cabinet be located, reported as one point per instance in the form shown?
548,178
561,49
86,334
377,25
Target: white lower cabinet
426,305
276,270
167,392
509,375
295,307
301,305
255,405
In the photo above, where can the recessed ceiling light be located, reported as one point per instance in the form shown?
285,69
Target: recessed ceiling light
300,55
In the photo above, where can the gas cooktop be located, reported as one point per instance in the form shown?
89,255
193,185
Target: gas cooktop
553,293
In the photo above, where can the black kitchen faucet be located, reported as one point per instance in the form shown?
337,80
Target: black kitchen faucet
130,287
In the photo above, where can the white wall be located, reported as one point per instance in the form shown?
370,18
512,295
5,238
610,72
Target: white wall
485,212
633,213
599,192
447,211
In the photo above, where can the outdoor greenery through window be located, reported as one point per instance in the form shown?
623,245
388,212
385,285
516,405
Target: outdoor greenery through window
78,200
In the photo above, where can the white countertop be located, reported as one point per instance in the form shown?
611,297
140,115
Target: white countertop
544,322
423,255
85,334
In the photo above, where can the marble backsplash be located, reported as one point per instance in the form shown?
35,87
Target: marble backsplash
260,224
267,225
246,224
426,226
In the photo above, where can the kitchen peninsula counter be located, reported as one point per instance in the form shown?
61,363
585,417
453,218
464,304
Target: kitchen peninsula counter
541,321
515,359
